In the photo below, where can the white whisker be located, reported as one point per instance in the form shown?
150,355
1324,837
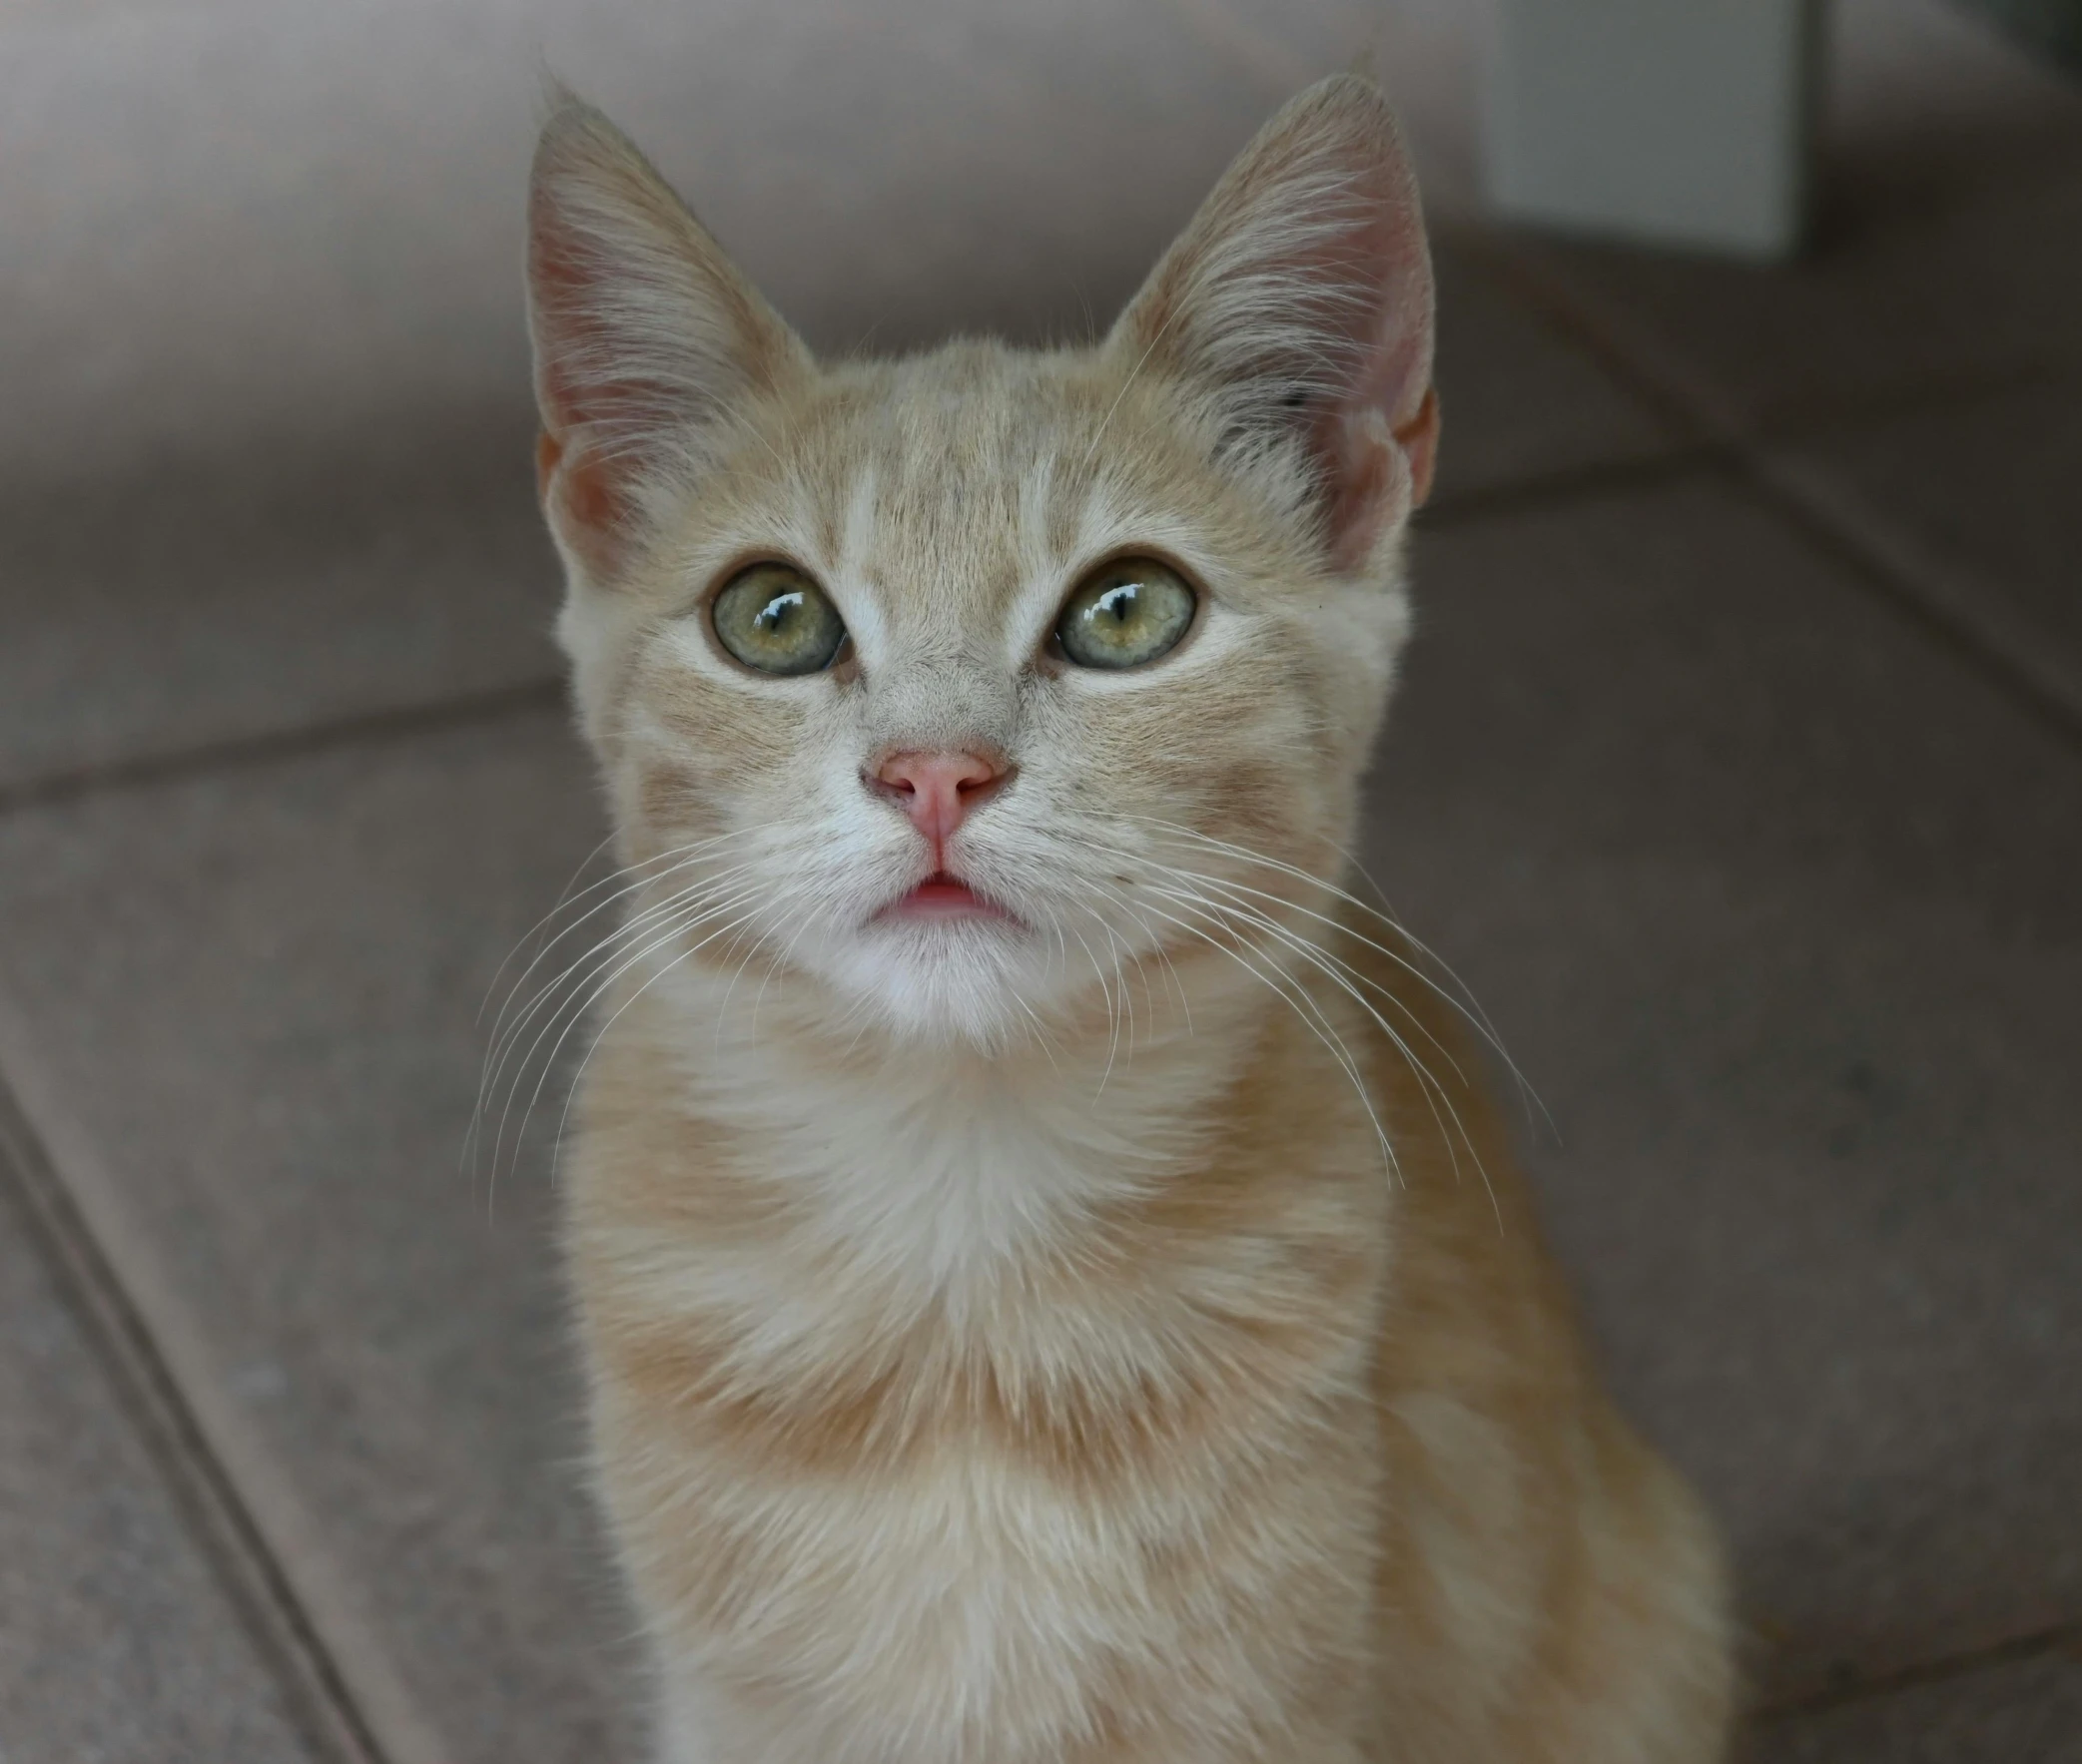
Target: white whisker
505,1039
1429,1087
677,915
1471,1012
1318,1024
571,1093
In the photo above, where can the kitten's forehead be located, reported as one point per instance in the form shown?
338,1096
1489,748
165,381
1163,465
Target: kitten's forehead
942,488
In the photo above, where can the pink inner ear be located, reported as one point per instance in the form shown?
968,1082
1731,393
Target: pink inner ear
578,404
1363,461
616,302
1301,295
568,277
1419,441
1379,434
571,471
582,496
1389,268
645,334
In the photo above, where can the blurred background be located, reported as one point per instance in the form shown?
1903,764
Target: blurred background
1739,771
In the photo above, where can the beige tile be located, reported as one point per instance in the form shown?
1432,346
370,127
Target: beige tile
261,1000
1925,90
117,1642
1981,492
213,598
1521,403
1889,308
1773,903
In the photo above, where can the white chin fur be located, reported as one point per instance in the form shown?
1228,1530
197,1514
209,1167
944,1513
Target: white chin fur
944,979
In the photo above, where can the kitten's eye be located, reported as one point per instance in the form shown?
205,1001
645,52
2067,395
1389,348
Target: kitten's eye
774,618
1124,614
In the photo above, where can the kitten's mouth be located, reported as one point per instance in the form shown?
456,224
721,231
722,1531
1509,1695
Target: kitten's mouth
943,895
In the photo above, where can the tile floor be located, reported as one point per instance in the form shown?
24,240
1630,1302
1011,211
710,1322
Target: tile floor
1739,770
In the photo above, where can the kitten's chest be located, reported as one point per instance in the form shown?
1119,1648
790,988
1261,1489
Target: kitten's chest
989,1538
947,1411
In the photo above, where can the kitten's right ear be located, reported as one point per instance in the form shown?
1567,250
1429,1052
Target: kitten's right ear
646,336
1300,298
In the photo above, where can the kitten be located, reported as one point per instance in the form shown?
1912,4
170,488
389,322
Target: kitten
1050,1295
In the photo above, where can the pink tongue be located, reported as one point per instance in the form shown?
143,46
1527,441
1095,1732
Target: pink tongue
943,888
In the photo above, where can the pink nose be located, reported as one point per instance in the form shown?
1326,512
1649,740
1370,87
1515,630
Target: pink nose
938,789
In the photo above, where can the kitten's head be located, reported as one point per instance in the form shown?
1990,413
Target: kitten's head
954,687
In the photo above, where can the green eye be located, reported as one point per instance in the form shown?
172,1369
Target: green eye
1124,614
774,618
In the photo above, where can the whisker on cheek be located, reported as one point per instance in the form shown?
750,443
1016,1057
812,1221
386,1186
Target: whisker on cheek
572,1010
1466,1006
1344,977
628,929
564,998
1304,1006
572,1092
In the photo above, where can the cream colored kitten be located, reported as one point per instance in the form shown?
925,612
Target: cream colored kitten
1049,1293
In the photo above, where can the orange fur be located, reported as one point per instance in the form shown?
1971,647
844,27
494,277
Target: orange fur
1117,1334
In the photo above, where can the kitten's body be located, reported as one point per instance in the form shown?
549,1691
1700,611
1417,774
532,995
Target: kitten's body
1010,1342
1268,1456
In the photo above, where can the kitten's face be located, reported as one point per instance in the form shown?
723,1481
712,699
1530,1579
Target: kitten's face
961,825
949,507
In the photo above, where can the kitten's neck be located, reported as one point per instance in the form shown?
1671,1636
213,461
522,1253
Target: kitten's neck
948,1160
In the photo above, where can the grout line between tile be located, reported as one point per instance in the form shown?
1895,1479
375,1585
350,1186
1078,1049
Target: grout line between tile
1789,423
1686,405
1941,1670
1978,625
189,1476
391,724
1685,400
264,1539
1975,619
1570,483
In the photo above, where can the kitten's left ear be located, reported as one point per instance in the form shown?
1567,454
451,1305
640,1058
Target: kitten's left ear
1300,298
648,340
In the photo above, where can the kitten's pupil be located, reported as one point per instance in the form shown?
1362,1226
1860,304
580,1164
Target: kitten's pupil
1120,602
774,616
